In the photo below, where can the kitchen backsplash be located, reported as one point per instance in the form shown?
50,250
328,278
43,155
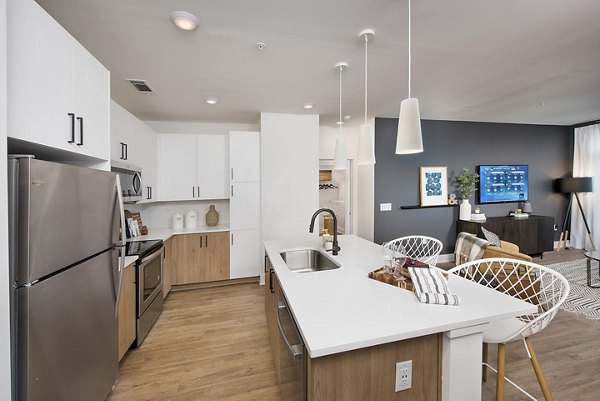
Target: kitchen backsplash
159,214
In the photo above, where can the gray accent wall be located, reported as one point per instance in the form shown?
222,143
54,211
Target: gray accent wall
547,149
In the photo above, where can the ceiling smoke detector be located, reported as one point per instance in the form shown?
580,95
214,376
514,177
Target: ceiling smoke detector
260,46
140,84
184,20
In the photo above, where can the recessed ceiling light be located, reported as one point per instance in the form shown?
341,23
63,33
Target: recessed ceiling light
347,117
211,100
309,106
339,122
184,20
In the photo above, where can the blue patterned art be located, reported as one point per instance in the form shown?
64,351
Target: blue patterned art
434,186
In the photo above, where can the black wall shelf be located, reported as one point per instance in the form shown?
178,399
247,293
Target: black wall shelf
423,207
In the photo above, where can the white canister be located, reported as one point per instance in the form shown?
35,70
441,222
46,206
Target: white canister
177,221
191,219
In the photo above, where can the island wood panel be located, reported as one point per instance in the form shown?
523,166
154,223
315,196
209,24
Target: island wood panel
126,310
271,299
370,373
167,271
200,258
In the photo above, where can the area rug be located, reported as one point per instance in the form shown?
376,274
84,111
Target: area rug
582,299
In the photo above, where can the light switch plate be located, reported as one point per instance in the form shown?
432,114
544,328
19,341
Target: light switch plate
385,207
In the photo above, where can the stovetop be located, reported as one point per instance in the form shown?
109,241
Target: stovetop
142,248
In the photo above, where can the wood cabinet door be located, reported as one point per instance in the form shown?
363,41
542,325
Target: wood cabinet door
167,267
177,167
126,310
188,254
212,162
244,156
215,261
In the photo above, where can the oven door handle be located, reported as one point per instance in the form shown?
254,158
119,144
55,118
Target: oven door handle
296,349
152,256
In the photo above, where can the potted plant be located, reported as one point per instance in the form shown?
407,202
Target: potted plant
466,184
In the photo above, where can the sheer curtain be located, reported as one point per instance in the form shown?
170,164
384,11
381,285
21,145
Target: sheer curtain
586,163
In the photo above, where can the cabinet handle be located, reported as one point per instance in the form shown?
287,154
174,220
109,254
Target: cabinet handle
72,115
198,191
271,281
122,150
232,174
193,192
126,151
232,191
231,239
80,143
149,193
206,240
201,241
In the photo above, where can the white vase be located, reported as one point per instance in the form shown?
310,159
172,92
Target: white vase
465,210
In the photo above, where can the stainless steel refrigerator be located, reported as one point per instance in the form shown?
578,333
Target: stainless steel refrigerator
64,249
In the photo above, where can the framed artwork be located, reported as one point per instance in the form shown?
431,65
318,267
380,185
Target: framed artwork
434,186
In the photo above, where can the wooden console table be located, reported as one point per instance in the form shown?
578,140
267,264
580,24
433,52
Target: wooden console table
534,235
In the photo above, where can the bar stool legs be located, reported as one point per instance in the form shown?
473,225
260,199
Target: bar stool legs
501,372
538,370
485,359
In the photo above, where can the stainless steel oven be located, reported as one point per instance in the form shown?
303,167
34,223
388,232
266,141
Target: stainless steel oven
292,354
149,292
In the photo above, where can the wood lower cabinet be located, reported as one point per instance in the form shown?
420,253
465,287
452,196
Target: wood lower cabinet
200,258
167,272
126,319
370,373
271,298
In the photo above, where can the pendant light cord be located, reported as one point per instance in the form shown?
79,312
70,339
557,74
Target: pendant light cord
340,120
366,75
409,49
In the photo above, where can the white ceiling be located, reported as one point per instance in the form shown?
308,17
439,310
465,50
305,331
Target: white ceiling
534,61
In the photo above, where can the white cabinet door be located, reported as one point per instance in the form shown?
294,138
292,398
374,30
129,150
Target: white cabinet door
177,167
244,206
212,164
244,156
91,102
39,76
244,253
149,156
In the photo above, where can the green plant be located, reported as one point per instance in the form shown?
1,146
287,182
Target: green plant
466,183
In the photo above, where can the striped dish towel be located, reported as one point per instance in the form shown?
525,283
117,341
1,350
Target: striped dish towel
431,287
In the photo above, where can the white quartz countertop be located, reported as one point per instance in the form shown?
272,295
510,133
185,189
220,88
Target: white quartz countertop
342,309
129,260
166,233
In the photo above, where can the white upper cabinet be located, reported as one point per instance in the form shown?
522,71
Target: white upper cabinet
193,167
58,94
133,142
244,156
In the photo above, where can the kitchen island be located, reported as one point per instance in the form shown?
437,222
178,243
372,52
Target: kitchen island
342,311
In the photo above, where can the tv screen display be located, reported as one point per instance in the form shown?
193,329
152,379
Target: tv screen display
503,183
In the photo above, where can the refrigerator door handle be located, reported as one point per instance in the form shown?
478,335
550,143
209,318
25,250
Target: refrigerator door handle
120,245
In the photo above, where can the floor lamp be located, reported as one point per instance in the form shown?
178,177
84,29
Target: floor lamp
573,186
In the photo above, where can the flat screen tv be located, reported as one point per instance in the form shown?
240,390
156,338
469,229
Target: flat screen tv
503,183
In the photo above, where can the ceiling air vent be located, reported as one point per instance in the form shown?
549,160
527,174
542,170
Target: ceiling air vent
141,85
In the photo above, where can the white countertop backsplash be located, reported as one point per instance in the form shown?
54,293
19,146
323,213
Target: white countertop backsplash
342,309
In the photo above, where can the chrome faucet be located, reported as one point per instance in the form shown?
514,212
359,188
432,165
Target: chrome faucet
311,228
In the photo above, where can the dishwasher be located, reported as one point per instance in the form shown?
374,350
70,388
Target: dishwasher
292,354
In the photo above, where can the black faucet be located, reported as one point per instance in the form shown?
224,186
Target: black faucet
336,247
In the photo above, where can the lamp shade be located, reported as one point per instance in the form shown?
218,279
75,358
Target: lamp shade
409,139
573,185
366,145
340,161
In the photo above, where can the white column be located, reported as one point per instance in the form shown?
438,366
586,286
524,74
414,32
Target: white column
461,364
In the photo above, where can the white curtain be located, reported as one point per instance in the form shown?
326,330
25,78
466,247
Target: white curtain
586,163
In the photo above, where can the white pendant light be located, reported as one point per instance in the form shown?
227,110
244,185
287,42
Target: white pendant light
340,161
366,138
410,138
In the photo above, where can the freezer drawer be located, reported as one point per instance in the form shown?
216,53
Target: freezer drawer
67,334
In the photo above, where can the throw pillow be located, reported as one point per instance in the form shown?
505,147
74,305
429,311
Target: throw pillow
490,236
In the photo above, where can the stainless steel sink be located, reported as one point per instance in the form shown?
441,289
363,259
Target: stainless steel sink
307,260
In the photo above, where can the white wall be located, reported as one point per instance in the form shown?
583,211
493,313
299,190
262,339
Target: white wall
363,178
170,127
5,389
289,150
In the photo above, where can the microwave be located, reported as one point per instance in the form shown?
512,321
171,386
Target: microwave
131,182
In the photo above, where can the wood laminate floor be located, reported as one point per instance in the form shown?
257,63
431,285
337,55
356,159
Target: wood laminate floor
212,344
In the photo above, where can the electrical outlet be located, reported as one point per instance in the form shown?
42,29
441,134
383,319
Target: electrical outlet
403,375
385,207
